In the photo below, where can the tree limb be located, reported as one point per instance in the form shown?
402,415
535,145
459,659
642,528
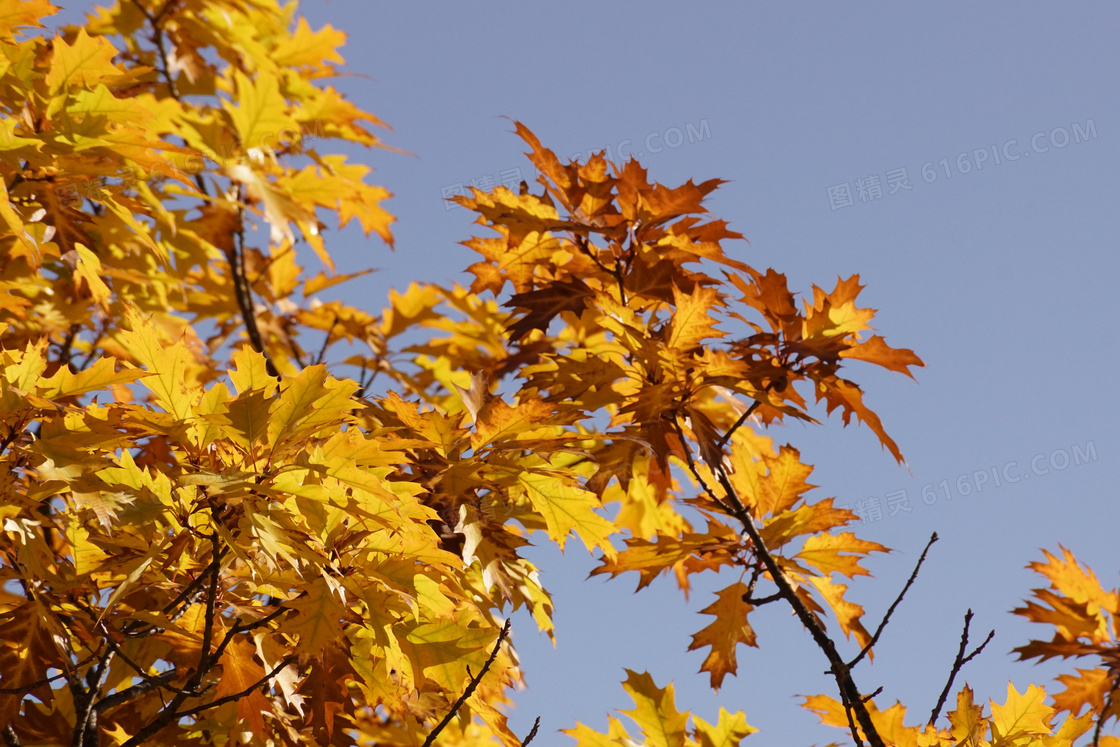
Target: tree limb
838,669
236,696
470,690
897,601
532,733
958,662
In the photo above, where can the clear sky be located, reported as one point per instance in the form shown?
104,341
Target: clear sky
961,157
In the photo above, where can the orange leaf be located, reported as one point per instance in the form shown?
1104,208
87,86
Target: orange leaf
725,633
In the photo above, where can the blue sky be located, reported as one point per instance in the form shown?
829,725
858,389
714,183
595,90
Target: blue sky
961,157
998,273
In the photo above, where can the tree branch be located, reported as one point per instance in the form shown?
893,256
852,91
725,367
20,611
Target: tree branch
235,255
532,733
470,689
1100,721
236,696
839,670
170,713
85,716
958,662
897,601
148,684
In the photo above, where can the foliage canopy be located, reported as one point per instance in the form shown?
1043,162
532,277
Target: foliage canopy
220,529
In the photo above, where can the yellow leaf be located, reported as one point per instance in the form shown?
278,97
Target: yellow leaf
16,14
585,736
727,631
260,115
502,423
250,372
169,366
84,64
655,711
309,48
729,731
847,613
319,620
566,508
968,723
88,270
691,322
240,672
823,551
100,375
1022,714
877,351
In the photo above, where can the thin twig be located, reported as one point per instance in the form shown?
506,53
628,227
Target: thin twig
1100,722
532,733
890,611
326,341
470,688
236,696
763,600
959,661
123,696
742,419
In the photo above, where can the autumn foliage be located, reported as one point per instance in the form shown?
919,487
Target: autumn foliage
239,512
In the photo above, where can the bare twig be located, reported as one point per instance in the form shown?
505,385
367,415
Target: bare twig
897,601
1100,721
742,419
475,679
326,342
959,661
762,600
532,733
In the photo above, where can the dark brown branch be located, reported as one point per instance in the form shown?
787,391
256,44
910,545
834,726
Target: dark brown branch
1100,721
236,696
238,628
169,713
470,688
959,661
205,659
763,600
326,342
165,64
533,733
235,255
66,347
848,690
123,696
894,605
32,686
85,725
742,419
